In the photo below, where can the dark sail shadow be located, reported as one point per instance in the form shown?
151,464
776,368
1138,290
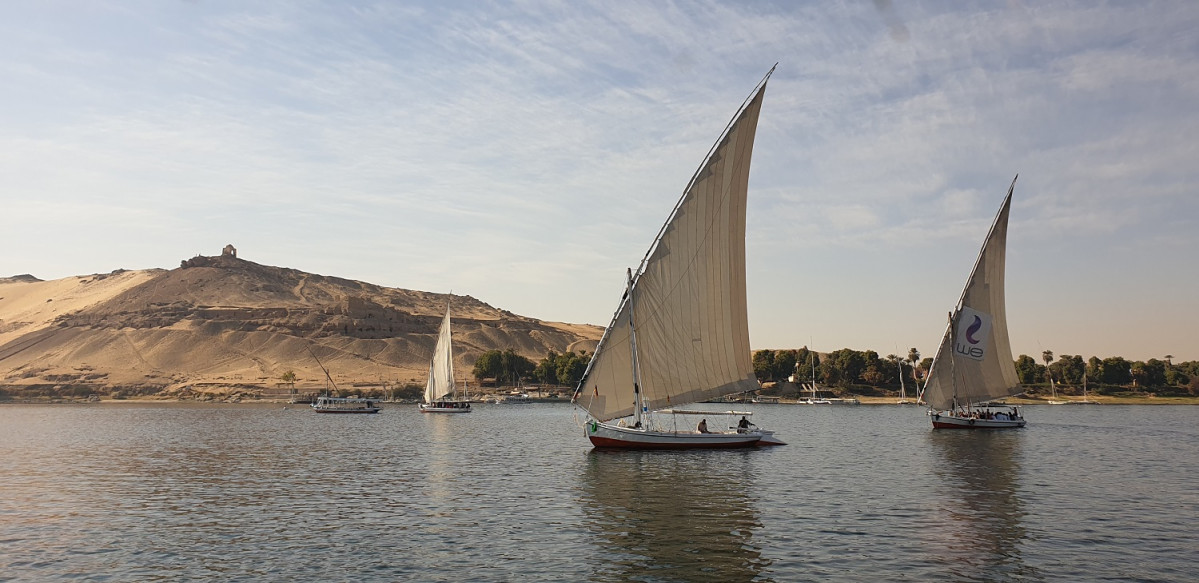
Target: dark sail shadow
679,516
979,528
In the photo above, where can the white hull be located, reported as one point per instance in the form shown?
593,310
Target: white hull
610,436
445,407
947,420
345,405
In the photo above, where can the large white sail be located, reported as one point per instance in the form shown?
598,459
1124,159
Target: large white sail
441,369
687,302
974,361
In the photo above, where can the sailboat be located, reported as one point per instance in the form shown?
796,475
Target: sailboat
680,334
327,403
903,391
441,376
1053,400
1086,400
973,365
814,399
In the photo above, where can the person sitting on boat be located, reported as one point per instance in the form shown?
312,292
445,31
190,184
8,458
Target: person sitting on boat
703,426
743,425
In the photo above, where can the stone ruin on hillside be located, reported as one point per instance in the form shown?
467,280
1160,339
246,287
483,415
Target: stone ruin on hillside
201,261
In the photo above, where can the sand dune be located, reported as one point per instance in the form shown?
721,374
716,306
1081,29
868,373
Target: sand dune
223,321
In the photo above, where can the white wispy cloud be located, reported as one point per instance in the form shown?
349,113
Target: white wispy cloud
525,153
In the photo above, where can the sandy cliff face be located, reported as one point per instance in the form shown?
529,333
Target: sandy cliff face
223,320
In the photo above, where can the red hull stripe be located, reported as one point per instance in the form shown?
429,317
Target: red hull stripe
937,425
608,443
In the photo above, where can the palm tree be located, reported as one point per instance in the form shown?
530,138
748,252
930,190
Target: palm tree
1047,356
914,362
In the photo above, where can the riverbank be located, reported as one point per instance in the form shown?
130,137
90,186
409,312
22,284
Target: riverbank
1147,399
1100,399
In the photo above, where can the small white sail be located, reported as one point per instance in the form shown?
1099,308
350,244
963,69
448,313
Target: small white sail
974,361
687,302
441,369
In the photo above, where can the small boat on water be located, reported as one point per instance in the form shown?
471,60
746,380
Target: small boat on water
680,334
345,405
1053,400
973,365
330,404
815,398
516,399
441,376
903,391
1085,399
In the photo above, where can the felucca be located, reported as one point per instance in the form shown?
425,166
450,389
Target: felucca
680,334
441,376
973,365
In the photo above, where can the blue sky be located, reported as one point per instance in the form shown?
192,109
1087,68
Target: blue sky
526,153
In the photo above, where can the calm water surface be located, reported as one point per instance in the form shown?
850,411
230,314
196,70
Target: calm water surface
145,492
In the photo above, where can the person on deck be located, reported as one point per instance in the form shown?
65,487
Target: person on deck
703,426
743,425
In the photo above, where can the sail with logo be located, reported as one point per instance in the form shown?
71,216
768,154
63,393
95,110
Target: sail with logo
974,365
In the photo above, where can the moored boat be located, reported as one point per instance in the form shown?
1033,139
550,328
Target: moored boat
345,405
327,403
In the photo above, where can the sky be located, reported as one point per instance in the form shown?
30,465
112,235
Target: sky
526,153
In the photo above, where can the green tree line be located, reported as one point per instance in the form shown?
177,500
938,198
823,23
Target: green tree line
839,368
847,368
509,368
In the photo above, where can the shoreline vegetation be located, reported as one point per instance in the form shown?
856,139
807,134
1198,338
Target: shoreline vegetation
1145,400
561,395
226,329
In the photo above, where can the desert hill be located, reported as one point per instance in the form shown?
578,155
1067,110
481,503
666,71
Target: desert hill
221,322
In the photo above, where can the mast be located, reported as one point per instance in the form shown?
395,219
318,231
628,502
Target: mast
812,365
953,378
633,347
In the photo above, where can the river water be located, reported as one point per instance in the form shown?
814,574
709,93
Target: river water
151,492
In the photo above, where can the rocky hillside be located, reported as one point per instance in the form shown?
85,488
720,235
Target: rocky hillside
217,323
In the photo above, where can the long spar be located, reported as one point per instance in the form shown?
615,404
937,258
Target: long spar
318,363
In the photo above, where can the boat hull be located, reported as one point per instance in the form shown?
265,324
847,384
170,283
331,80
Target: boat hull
944,421
606,436
346,405
461,407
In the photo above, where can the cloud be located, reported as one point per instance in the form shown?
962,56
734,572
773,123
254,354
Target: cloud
542,144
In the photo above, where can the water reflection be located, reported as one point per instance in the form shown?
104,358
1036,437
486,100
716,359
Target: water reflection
660,516
979,527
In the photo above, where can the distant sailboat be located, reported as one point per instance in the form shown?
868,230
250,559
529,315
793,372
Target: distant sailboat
327,403
973,365
1053,400
815,398
681,332
441,376
1086,400
903,393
